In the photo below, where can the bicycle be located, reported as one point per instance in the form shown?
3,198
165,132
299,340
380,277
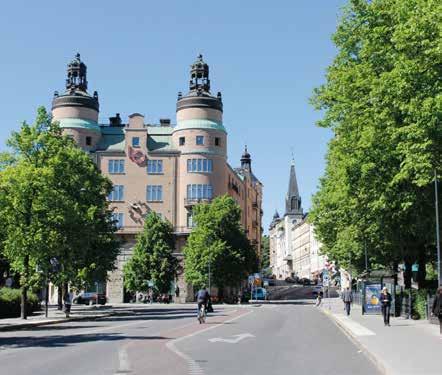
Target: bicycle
202,314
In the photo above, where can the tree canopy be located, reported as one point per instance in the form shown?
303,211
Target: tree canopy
382,100
218,239
53,205
152,258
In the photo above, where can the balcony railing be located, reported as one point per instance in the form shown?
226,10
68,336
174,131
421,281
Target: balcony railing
189,202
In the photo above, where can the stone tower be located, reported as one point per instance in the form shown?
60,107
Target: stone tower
201,138
293,206
76,110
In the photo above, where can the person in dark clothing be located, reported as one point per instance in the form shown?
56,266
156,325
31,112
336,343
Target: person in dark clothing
202,298
386,305
347,297
437,307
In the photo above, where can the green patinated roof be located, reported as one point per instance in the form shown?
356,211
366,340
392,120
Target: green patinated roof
200,124
159,130
158,143
79,123
112,139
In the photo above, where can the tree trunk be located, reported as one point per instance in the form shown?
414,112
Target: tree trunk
60,297
421,272
407,274
24,289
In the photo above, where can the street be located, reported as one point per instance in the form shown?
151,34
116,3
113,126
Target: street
162,339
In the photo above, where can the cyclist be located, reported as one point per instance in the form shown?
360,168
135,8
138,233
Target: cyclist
202,298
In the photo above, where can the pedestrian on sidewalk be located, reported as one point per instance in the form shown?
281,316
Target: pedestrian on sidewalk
437,307
386,305
347,297
67,303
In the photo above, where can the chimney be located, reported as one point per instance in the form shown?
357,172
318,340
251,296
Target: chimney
115,121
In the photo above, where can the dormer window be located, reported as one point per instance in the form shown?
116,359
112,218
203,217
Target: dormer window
182,141
135,141
200,140
217,141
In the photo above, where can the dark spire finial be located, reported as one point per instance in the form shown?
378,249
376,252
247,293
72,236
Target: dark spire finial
246,160
76,75
199,76
293,199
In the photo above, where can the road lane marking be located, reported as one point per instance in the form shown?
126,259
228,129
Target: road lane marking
194,367
236,340
123,360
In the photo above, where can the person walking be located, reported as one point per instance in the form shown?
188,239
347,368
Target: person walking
437,307
386,305
347,297
67,303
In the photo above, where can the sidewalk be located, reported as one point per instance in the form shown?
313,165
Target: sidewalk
407,347
78,312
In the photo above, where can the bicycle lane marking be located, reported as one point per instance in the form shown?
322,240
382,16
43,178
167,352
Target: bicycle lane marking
194,367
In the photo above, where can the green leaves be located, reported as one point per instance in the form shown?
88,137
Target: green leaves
153,257
53,205
218,239
382,99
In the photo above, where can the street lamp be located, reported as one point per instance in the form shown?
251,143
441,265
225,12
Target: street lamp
439,276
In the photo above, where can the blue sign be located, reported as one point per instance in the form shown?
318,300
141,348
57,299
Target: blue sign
372,302
415,267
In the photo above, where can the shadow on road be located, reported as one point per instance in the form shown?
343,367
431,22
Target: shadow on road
63,341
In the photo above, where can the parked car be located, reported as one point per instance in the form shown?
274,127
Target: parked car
259,294
89,298
291,280
269,281
305,281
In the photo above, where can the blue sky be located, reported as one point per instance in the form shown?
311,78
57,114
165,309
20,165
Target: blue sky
265,57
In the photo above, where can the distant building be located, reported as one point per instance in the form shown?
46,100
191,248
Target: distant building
280,232
162,167
294,250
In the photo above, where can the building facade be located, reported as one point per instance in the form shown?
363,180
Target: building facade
280,231
294,249
167,168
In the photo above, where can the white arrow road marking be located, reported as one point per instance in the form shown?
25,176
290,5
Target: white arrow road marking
238,338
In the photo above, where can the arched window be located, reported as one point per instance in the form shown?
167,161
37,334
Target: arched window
294,205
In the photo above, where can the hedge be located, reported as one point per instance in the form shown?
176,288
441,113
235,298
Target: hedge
10,300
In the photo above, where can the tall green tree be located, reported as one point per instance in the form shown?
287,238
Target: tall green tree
218,239
53,205
265,252
382,99
153,258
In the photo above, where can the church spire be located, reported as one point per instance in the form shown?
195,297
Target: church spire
293,199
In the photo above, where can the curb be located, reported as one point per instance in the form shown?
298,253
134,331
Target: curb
372,357
20,326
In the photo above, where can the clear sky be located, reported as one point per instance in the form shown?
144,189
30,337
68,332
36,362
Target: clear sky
265,57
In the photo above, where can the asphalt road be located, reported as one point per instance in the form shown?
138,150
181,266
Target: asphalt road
270,339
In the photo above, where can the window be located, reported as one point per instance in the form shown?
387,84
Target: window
199,140
199,165
118,219
116,166
182,141
199,191
154,193
217,141
190,223
88,141
117,194
135,141
155,166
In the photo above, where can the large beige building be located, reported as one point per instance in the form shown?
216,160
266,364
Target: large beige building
161,167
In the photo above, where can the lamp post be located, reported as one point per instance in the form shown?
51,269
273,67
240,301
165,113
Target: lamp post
439,276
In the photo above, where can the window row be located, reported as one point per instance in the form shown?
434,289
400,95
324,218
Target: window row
116,166
199,165
154,193
199,140
154,166
199,191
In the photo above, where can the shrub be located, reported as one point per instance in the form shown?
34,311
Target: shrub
10,300
419,298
